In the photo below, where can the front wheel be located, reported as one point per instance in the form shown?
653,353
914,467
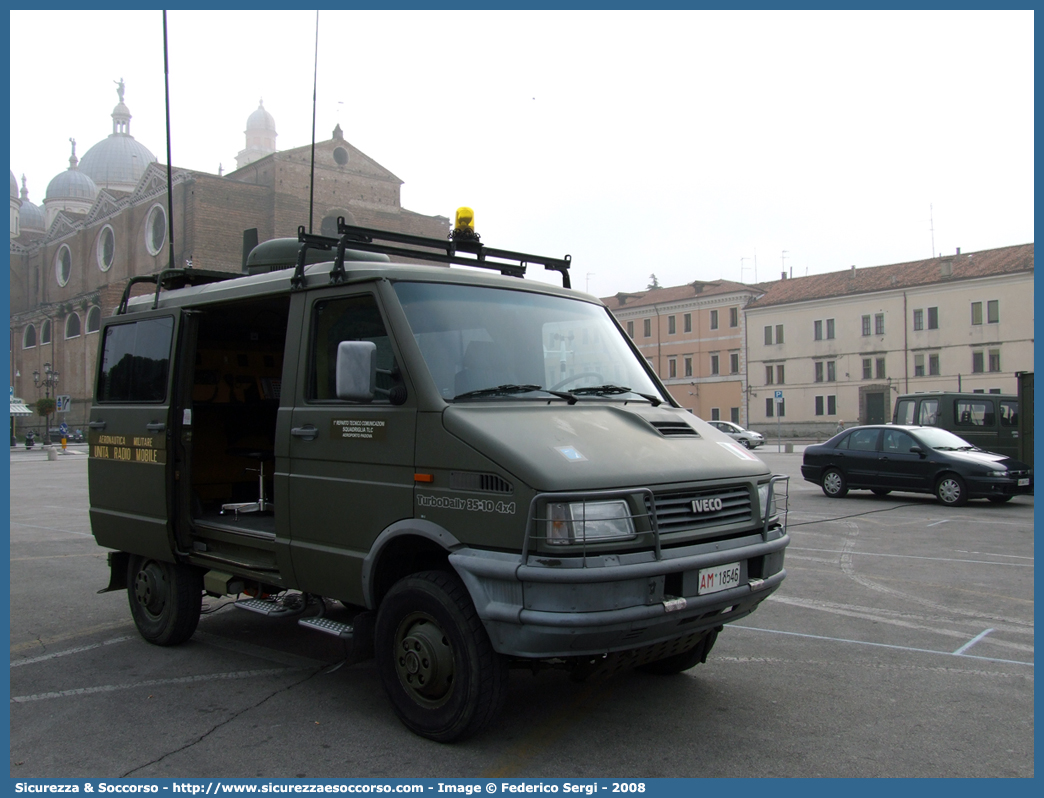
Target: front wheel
745,442
677,663
435,659
950,490
834,484
165,599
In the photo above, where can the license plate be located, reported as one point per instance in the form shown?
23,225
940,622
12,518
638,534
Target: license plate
1024,481
721,577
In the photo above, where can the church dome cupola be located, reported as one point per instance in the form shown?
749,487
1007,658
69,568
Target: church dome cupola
117,162
31,217
260,136
71,191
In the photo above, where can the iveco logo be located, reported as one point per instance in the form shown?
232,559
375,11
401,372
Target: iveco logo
706,505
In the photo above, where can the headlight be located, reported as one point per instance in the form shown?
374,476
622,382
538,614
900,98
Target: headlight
767,510
588,522
996,473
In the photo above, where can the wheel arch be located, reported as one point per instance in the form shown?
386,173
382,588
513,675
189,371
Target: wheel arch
404,548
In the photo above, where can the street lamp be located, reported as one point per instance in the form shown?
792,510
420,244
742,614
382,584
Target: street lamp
50,380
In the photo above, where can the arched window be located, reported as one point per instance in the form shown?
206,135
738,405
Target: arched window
29,337
156,230
94,319
45,332
106,248
72,326
63,265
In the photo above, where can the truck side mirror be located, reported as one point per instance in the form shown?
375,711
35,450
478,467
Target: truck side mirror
356,375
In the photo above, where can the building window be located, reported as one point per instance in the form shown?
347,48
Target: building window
831,371
866,325
647,327
772,406
878,324
72,326
671,328
918,320
688,365
106,248
819,405
976,313
734,415
734,363
768,375
933,365
818,366
769,402
687,322
817,330
880,368
995,360
933,318
630,329
830,329
993,311
63,265
867,374
672,368
714,364
714,320
779,374
94,319
734,317
918,365
156,230
768,336
779,333
715,414
832,405
29,337
45,332
977,363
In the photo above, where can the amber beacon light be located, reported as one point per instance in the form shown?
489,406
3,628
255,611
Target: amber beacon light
464,225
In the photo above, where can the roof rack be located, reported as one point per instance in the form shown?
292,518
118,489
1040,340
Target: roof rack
171,279
434,250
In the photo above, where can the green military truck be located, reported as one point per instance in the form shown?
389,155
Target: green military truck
482,469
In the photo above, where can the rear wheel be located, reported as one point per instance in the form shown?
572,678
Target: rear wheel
165,599
950,490
834,484
682,662
880,491
435,659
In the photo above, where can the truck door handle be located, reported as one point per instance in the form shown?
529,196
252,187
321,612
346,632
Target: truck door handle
308,432
96,424
156,426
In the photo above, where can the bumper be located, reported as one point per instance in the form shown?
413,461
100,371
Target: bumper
984,487
811,473
576,607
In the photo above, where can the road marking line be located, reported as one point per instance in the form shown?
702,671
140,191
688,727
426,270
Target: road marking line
944,521
52,529
971,643
911,557
69,651
108,688
878,645
85,632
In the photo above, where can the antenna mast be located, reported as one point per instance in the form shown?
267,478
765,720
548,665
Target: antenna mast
170,179
315,82
931,226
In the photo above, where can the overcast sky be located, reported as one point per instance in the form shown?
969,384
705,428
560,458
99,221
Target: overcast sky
674,143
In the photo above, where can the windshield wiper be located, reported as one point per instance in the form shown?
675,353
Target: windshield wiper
507,390
612,390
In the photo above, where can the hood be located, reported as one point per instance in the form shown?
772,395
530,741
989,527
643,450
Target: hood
987,460
588,446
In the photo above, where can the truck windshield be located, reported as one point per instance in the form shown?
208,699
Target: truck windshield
475,339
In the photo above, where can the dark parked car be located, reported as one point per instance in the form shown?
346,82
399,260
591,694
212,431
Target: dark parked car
890,457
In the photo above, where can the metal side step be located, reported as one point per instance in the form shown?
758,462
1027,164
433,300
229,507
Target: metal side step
343,630
272,609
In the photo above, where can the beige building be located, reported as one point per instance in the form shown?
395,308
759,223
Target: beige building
693,335
842,346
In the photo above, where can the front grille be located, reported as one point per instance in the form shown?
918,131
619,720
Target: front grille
674,511
672,428
479,483
1020,474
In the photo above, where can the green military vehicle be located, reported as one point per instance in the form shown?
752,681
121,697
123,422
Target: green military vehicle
482,469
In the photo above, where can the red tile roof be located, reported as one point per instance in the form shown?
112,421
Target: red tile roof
659,296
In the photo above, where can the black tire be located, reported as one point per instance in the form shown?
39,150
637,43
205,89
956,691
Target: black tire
676,663
880,491
745,443
435,660
1000,499
834,484
951,491
165,599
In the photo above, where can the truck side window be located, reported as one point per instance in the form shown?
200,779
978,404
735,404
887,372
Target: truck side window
973,413
904,413
1009,414
929,413
354,318
135,360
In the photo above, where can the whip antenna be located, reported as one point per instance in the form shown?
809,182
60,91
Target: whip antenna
170,180
315,81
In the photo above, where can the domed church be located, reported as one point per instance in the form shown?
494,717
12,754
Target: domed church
105,220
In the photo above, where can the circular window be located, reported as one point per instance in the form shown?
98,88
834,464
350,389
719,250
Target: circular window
93,319
156,230
341,155
63,265
106,248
